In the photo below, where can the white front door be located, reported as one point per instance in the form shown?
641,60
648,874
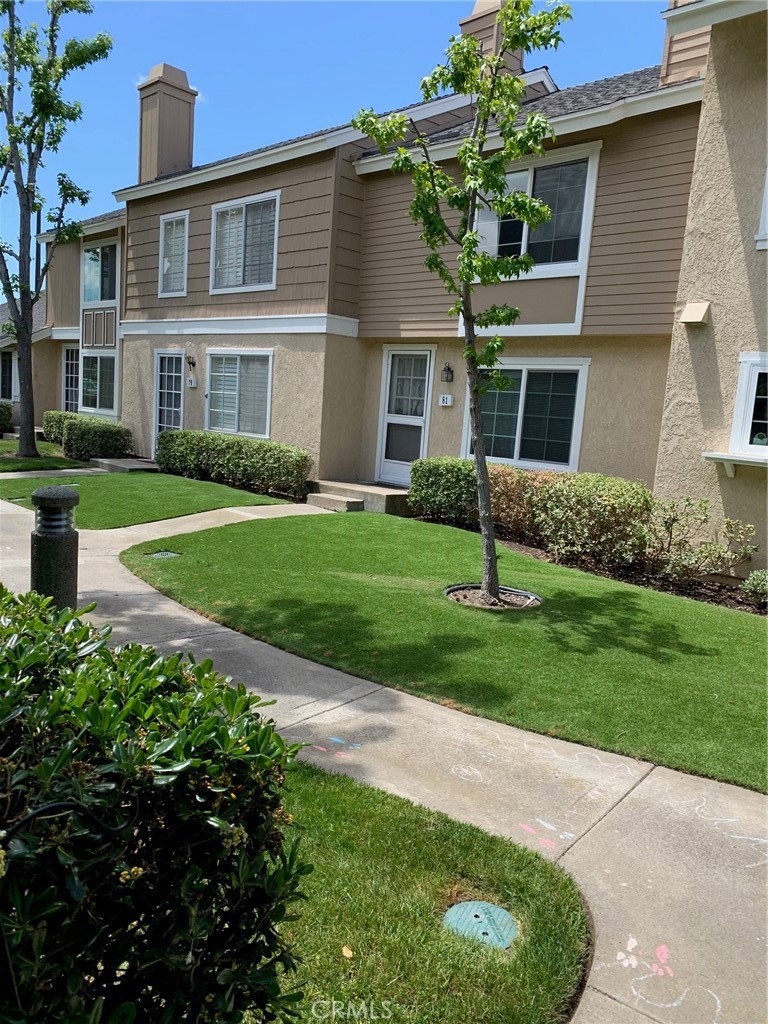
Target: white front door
406,398
169,391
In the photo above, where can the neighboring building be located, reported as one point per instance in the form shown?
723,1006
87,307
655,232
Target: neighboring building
282,293
45,367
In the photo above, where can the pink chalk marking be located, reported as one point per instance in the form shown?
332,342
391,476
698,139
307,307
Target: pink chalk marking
669,972
342,755
548,843
662,954
527,828
316,747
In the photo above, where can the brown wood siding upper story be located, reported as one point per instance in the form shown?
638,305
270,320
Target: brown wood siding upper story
685,56
63,286
304,240
640,210
346,237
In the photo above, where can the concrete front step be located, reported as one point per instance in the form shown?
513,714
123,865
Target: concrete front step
14,434
336,502
390,500
125,465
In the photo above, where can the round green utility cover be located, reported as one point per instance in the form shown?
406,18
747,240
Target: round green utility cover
476,919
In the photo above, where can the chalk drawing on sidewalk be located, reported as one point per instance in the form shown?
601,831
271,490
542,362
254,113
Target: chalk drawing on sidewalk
544,749
698,805
466,773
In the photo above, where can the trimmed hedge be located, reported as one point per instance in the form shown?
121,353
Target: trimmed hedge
584,518
153,878
262,467
6,413
91,437
54,422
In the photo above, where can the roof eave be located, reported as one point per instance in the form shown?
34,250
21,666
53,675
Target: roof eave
97,228
566,124
709,12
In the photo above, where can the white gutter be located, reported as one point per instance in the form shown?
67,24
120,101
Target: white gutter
279,154
585,120
709,12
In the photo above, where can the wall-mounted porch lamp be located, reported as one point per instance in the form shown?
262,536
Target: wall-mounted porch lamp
191,362
446,374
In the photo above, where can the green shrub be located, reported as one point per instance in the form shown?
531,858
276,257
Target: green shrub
513,499
151,882
755,587
675,548
263,467
444,489
587,517
91,437
6,413
53,424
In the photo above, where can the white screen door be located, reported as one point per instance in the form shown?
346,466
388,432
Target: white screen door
404,424
169,398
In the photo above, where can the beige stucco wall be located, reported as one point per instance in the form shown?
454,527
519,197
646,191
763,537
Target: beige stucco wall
346,362
297,384
622,414
721,264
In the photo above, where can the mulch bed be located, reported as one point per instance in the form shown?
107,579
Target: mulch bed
711,591
471,596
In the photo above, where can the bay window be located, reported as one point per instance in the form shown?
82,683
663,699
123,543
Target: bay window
749,435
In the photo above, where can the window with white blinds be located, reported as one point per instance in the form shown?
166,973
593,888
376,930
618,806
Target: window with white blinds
244,245
173,254
239,390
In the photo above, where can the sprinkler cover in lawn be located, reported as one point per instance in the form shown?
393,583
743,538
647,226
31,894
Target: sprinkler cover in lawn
486,922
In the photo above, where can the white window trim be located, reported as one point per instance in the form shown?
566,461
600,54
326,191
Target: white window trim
64,350
217,208
110,414
577,268
99,243
180,215
404,349
239,352
750,364
581,365
156,389
761,238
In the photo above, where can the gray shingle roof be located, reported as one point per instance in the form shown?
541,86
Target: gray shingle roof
105,217
38,316
572,100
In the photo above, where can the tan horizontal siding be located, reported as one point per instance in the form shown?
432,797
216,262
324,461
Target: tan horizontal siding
303,250
685,56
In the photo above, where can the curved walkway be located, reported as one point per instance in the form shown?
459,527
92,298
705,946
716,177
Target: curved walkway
673,867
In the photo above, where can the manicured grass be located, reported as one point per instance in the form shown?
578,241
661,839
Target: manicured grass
51,457
673,681
110,500
384,901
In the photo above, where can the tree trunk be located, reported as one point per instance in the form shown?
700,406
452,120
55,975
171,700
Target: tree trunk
27,445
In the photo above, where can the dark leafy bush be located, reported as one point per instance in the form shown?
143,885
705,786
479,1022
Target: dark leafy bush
53,424
91,437
263,467
444,489
593,518
6,412
145,865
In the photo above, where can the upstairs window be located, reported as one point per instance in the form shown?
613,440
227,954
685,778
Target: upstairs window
244,244
100,273
173,254
563,188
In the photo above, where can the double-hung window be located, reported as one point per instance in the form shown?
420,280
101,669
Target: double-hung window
244,244
535,421
99,273
174,233
749,434
98,383
239,392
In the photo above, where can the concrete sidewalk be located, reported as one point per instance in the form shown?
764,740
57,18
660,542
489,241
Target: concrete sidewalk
673,867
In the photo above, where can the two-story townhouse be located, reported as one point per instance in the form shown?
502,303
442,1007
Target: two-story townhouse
282,293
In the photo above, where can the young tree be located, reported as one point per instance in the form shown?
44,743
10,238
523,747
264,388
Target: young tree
446,207
34,116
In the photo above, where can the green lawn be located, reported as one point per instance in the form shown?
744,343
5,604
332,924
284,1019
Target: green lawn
51,457
384,901
669,680
110,500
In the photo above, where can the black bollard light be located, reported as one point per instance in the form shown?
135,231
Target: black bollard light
55,545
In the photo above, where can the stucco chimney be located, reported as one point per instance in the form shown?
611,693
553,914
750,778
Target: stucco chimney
482,25
166,122
685,55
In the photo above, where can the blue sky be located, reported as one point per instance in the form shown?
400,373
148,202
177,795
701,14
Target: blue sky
271,70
